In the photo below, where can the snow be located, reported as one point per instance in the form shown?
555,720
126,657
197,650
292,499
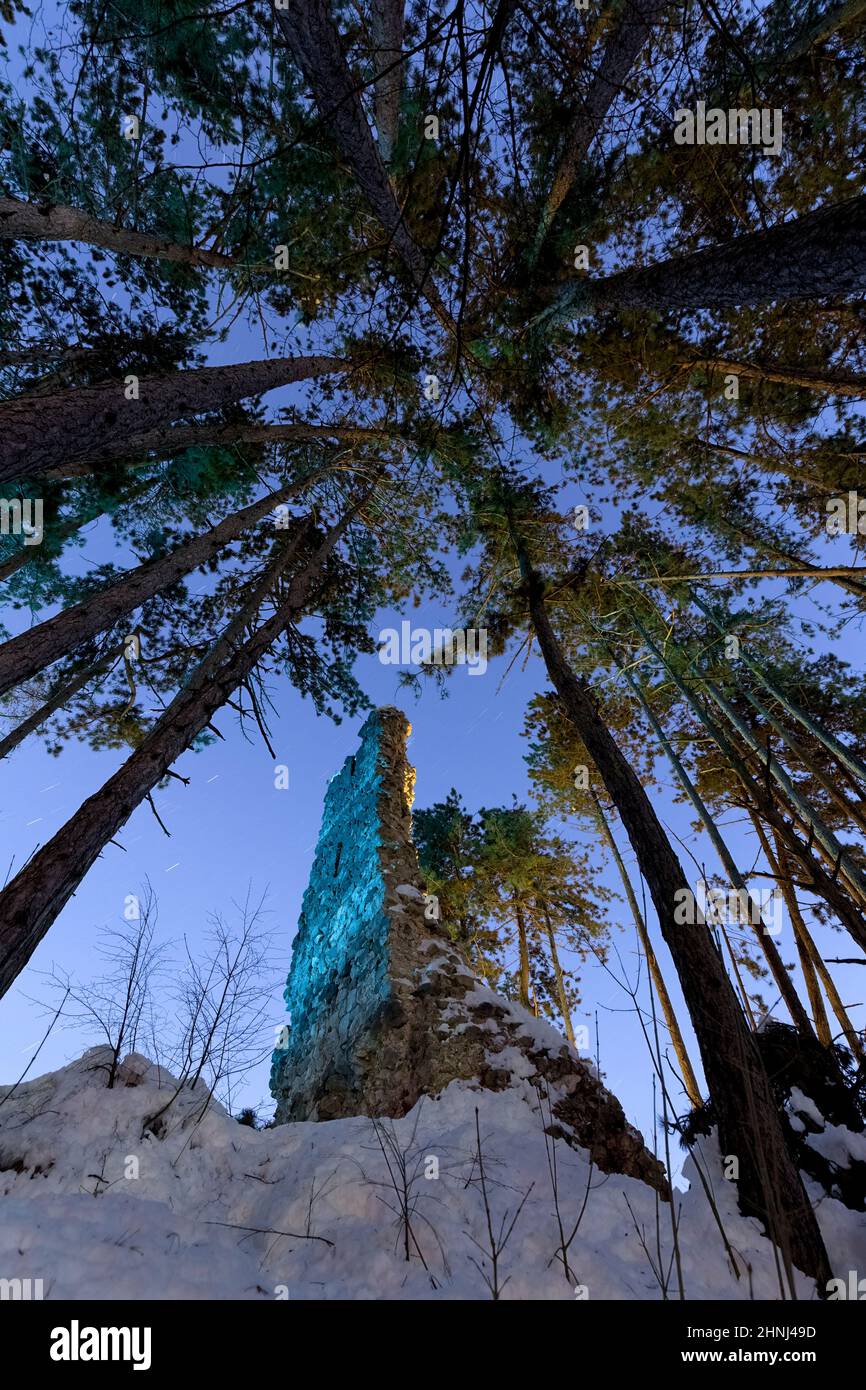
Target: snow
834,1142
839,1145
804,1106
219,1210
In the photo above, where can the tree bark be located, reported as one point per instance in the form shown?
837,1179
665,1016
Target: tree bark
759,796
849,760
23,656
749,1126
835,854
849,1032
171,438
314,42
841,577
39,892
622,50
56,222
819,255
784,983
387,54
558,976
813,989
844,804
815,29
690,1081
808,378
39,434
523,955
804,573
59,697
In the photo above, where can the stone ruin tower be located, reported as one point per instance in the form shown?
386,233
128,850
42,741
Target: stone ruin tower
384,1009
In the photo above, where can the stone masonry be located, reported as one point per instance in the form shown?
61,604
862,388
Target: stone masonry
384,1009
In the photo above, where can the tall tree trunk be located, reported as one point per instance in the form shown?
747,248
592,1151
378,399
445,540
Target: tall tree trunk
26,553
784,983
690,1081
169,439
846,757
623,47
843,578
849,1032
387,28
760,797
23,656
819,255
809,378
63,692
834,853
56,222
313,41
749,1125
807,572
813,988
523,954
852,813
738,976
41,433
37,894
817,25
561,995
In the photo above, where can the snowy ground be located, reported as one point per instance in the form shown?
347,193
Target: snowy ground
211,1209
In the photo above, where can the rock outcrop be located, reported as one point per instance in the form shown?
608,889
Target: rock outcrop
383,1008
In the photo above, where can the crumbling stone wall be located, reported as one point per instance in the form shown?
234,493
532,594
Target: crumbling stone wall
383,1008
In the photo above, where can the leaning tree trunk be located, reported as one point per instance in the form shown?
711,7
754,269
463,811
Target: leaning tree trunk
761,798
387,25
39,892
808,378
828,845
819,255
133,451
849,1032
23,656
43,432
721,515
314,42
814,29
784,983
690,1081
833,851
770,1186
557,974
523,955
56,222
796,565
845,755
60,696
851,812
622,50
810,977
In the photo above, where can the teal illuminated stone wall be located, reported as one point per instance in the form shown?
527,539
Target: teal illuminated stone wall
382,1007
339,984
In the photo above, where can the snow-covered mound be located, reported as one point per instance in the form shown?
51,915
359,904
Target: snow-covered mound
100,1206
